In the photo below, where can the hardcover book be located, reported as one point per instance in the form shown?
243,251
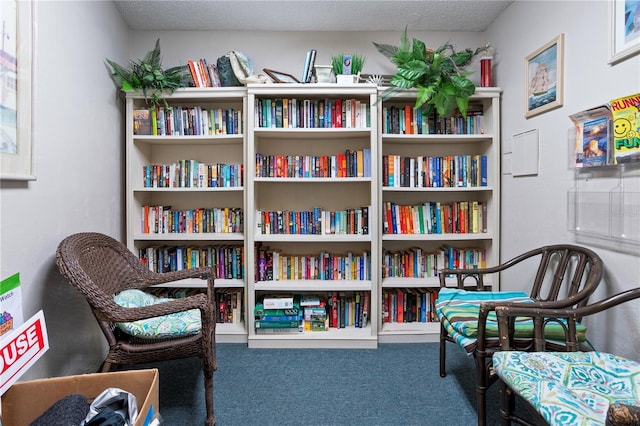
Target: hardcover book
142,122
626,129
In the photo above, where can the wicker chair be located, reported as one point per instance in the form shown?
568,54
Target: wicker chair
583,400
566,276
100,267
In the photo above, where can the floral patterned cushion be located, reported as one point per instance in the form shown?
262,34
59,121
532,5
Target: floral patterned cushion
570,388
177,324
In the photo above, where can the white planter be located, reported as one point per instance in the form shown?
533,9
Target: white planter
323,73
346,79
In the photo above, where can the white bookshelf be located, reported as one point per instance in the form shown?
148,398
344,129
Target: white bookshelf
142,150
485,142
261,193
268,194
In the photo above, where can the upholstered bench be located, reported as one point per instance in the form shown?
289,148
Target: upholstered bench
572,388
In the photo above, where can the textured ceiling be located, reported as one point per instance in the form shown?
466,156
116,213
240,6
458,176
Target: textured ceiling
311,15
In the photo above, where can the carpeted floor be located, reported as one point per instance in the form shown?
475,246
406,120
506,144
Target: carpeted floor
396,384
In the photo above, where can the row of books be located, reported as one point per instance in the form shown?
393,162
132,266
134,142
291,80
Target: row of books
312,113
351,163
434,217
416,262
311,313
405,119
187,121
228,301
404,305
226,260
313,222
230,304
437,172
163,220
272,265
204,74
192,174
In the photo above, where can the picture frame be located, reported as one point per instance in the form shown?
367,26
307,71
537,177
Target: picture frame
624,29
544,71
280,77
16,146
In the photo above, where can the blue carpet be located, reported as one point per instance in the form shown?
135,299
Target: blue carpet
396,384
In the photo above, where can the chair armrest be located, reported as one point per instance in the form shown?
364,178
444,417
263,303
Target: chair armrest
545,313
477,274
154,278
623,415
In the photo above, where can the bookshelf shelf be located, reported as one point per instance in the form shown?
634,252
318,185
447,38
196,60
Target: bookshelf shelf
314,285
177,169
427,160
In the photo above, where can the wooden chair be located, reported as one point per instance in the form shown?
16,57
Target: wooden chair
566,276
610,396
100,267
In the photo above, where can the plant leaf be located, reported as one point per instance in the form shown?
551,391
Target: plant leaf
419,50
386,49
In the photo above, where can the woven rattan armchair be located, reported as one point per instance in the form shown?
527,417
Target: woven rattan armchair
100,267
609,378
566,276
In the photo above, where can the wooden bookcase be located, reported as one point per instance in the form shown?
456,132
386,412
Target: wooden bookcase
212,228
291,191
409,256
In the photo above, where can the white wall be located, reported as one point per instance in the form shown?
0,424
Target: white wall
534,208
78,132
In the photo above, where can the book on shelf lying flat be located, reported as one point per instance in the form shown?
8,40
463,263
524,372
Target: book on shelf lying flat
277,302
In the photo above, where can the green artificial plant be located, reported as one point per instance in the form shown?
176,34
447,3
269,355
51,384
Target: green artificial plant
357,63
438,75
147,75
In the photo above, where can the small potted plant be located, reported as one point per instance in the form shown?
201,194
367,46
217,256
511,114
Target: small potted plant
347,67
147,75
437,74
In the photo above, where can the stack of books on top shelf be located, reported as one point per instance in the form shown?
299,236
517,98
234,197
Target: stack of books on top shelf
278,314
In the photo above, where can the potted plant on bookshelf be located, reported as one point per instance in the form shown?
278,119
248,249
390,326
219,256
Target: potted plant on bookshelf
347,67
147,75
437,74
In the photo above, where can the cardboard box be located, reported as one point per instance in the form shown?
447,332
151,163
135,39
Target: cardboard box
25,401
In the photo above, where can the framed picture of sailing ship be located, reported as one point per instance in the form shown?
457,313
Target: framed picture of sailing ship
544,78
624,29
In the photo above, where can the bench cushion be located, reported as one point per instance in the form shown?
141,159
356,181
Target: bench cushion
573,388
458,311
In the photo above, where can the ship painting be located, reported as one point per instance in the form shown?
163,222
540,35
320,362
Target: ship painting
541,86
540,81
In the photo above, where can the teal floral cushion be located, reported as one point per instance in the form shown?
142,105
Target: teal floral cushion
570,388
177,324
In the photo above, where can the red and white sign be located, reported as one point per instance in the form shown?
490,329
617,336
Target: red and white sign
21,349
